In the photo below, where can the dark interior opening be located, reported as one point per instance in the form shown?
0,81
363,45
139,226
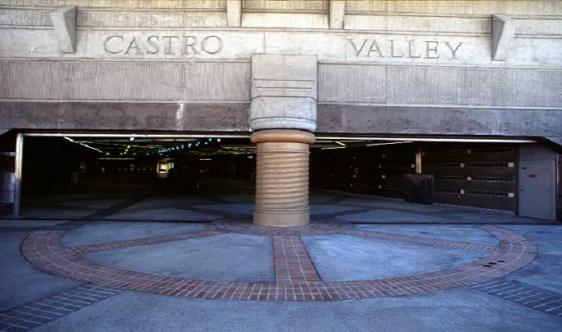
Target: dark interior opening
478,174
61,170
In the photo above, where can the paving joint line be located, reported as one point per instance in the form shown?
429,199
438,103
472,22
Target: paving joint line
540,299
142,241
36,313
424,241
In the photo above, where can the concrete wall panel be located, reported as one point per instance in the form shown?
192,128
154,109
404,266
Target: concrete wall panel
423,67
447,24
333,45
128,4
456,7
439,85
292,5
125,81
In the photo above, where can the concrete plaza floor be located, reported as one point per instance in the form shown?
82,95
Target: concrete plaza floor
177,262
232,199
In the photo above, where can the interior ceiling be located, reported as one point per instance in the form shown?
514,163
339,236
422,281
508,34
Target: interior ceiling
131,145
142,147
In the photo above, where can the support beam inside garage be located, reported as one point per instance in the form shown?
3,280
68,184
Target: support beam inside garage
19,174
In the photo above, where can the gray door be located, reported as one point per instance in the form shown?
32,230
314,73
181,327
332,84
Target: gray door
536,189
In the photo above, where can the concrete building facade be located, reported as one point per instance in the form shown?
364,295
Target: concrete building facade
282,70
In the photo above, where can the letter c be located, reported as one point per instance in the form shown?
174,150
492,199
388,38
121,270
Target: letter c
109,39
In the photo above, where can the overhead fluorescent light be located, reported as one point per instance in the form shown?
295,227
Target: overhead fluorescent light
334,148
104,135
83,144
388,143
429,139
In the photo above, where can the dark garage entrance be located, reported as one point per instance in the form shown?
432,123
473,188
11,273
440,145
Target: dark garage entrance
96,177
116,176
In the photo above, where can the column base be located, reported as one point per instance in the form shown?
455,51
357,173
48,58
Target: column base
281,218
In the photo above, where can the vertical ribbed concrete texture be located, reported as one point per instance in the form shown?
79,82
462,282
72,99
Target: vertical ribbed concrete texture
282,177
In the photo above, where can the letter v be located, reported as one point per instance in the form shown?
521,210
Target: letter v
358,51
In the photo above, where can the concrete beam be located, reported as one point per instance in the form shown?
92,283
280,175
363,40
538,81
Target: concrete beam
332,119
234,12
434,121
337,14
64,22
194,117
503,31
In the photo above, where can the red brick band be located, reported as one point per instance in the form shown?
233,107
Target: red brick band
44,250
292,263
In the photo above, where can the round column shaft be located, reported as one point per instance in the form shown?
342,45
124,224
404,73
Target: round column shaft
282,177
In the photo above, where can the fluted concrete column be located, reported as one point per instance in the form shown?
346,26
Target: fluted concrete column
283,117
282,177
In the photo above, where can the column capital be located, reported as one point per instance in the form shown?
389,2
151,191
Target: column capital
282,135
284,92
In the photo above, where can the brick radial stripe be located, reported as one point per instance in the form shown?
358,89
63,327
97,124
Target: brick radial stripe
296,277
424,241
292,262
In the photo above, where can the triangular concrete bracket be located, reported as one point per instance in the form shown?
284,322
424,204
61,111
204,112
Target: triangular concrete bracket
64,22
557,140
503,31
337,14
234,13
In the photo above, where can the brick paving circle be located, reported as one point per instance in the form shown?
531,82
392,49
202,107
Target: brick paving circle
296,278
